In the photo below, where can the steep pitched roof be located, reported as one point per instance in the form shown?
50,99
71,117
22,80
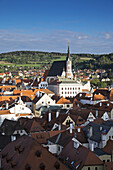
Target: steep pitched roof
57,68
9,126
77,158
42,137
109,147
31,125
63,100
27,153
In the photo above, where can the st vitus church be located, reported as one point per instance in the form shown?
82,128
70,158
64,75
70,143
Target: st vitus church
61,80
61,69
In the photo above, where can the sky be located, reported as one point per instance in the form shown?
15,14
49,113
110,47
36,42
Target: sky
48,25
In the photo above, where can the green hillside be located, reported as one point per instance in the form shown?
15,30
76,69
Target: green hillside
38,60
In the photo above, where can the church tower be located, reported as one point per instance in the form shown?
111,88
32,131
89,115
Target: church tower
69,73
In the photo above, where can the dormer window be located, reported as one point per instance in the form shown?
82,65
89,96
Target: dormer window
42,166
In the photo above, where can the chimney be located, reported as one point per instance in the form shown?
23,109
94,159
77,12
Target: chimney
100,128
90,131
92,147
15,109
59,127
71,127
49,117
78,129
96,113
57,114
13,138
76,144
7,105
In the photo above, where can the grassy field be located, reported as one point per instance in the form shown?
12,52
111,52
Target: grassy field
86,58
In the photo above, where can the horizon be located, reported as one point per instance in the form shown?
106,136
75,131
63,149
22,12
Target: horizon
47,26
55,52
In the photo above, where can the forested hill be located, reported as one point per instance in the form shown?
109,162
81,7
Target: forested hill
91,61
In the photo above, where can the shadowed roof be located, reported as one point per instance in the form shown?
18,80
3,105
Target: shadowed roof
26,153
57,68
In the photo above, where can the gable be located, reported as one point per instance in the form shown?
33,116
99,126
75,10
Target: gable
68,119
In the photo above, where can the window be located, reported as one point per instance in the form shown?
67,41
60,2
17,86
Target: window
96,168
42,102
88,168
109,137
108,160
48,102
58,148
80,120
103,160
67,105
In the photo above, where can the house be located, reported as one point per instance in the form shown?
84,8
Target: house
98,134
109,150
43,100
39,83
65,103
103,156
27,101
31,125
79,157
26,153
59,141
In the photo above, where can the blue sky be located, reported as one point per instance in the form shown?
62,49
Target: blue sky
47,25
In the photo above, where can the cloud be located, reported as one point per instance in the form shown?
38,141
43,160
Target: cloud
56,40
107,36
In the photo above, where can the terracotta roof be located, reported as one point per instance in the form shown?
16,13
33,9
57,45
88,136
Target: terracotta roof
63,100
31,125
2,98
92,159
42,137
47,91
26,153
102,91
109,165
98,97
4,112
77,158
111,95
98,121
109,147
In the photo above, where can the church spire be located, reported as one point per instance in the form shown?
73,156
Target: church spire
69,73
68,53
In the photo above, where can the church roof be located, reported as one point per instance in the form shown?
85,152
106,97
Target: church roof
57,68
